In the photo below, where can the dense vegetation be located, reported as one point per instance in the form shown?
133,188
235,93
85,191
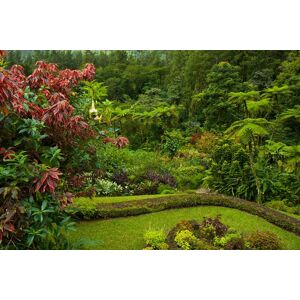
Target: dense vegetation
115,123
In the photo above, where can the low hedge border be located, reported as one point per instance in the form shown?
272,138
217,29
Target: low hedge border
138,207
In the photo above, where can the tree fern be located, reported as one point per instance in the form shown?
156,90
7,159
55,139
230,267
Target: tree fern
259,108
241,130
292,114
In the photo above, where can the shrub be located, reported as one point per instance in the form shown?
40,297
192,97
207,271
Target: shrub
165,189
204,142
230,158
145,187
212,227
185,225
186,240
173,141
155,240
283,206
204,245
106,187
264,240
168,191
189,177
231,241
279,205
120,177
163,178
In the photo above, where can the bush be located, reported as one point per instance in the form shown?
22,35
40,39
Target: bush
279,205
189,177
264,240
203,245
165,189
144,188
283,206
155,240
161,178
107,188
186,240
211,228
230,158
231,241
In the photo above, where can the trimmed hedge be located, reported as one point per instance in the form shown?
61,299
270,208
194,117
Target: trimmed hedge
137,207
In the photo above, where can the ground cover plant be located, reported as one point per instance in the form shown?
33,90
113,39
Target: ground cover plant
99,127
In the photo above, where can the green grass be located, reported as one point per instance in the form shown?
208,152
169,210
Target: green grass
100,200
127,233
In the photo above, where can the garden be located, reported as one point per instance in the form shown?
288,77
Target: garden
153,150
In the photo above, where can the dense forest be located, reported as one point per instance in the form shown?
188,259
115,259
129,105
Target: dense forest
143,122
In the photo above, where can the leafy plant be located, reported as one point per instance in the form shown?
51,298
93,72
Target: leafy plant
155,240
106,187
264,240
231,241
186,240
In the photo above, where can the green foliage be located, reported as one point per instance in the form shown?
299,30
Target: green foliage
173,140
259,108
264,240
52,156
248,130
284,206
46,224
107,188
186,240
231,241
165,189
155,240
230,171
164,102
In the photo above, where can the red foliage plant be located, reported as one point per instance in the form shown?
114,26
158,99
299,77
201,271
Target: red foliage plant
47,181
55,86
7,153
119,142
2,53
204,142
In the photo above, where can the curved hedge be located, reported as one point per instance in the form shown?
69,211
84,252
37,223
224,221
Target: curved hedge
138,207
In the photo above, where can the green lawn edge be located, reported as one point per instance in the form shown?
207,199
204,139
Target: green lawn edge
94,211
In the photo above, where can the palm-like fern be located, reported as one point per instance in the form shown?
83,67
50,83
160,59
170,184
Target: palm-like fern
243,98
248,129
258,108
292,114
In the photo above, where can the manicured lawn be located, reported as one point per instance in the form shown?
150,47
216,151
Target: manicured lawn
127,233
